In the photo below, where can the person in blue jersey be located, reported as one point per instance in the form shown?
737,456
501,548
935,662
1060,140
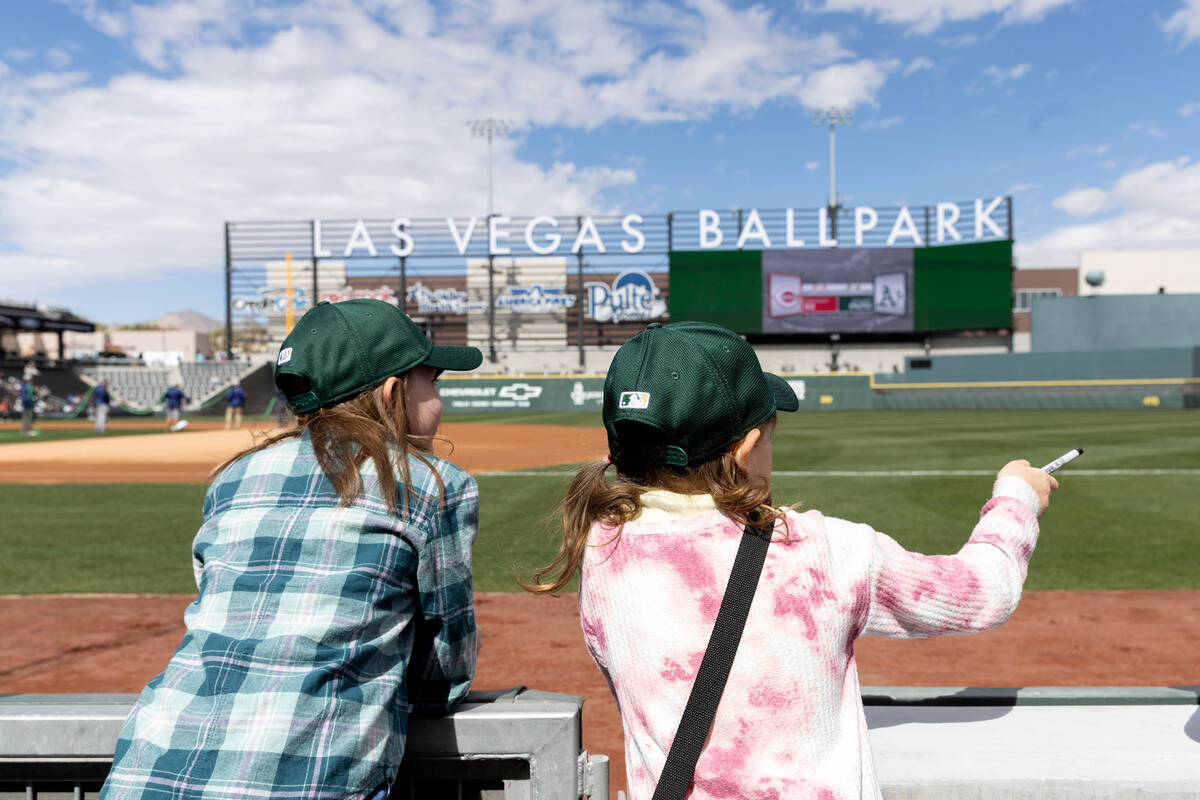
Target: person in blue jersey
27,399
334,573
101,402
173,399
235,402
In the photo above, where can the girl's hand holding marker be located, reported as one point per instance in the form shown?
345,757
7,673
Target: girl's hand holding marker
1040,479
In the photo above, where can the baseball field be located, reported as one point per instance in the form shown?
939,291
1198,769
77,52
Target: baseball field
96,533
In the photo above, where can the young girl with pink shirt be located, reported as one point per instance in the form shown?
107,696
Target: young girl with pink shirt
689,415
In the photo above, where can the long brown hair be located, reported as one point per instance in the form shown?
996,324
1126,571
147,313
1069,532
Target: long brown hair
591,497
371,425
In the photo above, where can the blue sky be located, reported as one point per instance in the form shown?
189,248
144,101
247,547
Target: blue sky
130,131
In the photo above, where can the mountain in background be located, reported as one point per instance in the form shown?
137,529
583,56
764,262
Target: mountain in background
186,321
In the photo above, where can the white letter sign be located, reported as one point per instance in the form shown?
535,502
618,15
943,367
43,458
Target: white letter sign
904,225
495,234
753,228
983,216
359,238
792,241
405,247
865,219
947,215
710,229
588,235
319,250
553,240
639,238
823,229
461,241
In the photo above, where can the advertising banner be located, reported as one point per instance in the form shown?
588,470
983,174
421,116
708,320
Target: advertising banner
474,395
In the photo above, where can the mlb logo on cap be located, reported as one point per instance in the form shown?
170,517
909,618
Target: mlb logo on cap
635,400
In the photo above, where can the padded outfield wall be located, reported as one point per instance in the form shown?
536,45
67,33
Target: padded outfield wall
1003,384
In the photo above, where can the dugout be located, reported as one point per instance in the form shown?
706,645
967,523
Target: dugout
21,318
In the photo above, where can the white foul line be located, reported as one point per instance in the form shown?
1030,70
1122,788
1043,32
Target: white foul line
894,473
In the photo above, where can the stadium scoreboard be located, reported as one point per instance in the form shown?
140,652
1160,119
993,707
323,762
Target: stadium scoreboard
870,290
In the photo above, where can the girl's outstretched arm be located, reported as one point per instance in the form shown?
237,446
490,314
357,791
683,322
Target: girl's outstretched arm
915,595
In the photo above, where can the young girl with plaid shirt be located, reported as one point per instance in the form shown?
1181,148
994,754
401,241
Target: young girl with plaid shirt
690,415
334,576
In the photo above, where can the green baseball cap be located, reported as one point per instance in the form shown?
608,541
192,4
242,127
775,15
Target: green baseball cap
343,349
679,394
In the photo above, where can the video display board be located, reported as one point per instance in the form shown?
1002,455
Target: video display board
850,290
831,291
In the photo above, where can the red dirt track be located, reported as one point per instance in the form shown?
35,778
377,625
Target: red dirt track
101,643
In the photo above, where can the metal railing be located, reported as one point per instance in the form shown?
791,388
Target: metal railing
511,745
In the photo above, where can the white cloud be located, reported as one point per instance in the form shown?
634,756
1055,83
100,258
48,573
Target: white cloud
1185,23
1088,150
1189,109
1081,203
812,165
58,57
344,108
1019,188
1000,75
846,85
1148,128
917,64
925,16
882,124
1110,164
1158,207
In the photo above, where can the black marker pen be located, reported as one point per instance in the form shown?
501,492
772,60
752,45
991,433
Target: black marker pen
1065,458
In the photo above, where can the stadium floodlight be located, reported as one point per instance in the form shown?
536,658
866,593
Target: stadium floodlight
833,116
489,128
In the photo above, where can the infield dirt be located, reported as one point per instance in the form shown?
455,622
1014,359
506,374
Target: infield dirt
115,643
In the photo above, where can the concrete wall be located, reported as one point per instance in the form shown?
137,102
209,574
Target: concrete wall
1115,322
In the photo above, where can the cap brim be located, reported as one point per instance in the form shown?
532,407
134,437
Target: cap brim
455,357
785,397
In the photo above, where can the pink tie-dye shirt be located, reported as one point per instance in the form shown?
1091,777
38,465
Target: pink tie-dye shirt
790,724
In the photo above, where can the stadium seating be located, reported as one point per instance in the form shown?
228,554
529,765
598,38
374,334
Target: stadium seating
202,380
142,387
136,386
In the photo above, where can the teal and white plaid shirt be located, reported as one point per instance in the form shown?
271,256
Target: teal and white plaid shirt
317,629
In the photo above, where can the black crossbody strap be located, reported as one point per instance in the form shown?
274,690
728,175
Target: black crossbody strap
714,669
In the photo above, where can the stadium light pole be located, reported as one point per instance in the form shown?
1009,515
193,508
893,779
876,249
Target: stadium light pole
490,128
833,116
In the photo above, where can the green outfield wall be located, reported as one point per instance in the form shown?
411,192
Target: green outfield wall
845,391
1084,365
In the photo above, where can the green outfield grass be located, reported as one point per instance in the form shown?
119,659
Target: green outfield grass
1101,532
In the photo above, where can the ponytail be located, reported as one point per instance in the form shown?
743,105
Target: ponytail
591,498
